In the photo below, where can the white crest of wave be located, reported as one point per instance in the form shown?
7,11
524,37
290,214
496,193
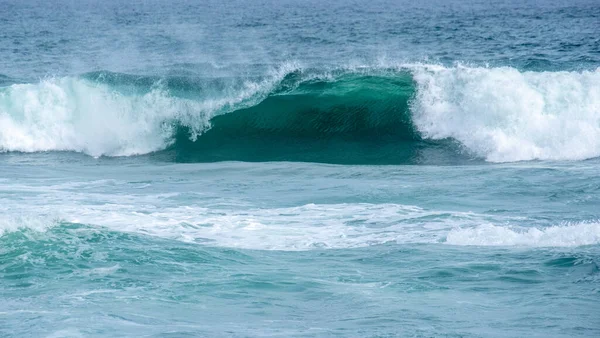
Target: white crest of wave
74,114
10,224
555,236
504,115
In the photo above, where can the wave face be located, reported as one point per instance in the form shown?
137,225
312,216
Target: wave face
348,118
404,114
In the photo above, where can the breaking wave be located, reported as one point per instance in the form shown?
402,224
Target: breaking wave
405,114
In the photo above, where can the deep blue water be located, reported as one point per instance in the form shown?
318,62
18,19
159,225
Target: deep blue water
300,168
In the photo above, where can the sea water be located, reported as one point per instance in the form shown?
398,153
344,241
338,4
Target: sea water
300,168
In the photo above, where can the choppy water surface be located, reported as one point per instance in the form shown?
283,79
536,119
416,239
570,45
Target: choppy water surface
331,168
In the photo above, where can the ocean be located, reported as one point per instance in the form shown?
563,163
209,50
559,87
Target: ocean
304,168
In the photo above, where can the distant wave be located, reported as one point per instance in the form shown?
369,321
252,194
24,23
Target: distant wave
405,114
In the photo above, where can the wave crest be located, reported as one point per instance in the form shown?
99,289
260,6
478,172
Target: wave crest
408,114
504,115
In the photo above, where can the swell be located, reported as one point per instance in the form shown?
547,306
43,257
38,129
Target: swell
408,114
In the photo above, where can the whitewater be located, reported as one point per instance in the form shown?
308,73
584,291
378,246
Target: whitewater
299,169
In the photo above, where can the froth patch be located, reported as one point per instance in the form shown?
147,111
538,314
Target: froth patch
556,236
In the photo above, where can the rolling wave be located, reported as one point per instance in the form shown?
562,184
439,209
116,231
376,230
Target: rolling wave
406,114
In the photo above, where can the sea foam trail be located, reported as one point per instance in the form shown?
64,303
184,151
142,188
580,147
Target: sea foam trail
503,115
305,227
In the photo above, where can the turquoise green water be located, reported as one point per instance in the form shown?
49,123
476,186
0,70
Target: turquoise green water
299,169
128,248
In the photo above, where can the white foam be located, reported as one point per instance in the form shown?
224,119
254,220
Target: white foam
11,223
296,228
503,115
228,222
305,227
74,114
555,236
